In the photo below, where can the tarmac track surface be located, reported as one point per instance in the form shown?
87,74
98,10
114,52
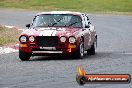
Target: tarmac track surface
113,55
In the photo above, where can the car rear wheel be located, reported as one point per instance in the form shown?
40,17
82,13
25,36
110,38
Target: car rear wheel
91,51
80,52
24,56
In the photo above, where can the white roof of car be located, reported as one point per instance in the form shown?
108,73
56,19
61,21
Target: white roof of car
60,12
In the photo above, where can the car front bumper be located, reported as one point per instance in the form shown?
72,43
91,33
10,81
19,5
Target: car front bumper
44,51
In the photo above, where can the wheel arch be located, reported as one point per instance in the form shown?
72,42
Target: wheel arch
82,38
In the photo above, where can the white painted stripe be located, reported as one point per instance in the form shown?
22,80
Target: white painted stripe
42,29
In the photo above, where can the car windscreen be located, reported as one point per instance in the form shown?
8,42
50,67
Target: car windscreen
57,20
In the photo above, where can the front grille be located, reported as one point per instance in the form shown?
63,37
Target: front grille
47,41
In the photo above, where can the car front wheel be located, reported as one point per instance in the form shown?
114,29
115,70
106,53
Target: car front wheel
80,52
24,56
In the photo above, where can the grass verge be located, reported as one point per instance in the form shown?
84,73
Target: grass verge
8,36
72,5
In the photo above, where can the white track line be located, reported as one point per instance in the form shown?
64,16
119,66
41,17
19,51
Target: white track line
9,49
4,50
10,27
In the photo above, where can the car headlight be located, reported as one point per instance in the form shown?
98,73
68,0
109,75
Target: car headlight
63,39
31,38
23,39
72,39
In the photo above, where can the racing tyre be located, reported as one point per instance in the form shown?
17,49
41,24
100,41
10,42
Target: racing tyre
80,52
91,51
24,56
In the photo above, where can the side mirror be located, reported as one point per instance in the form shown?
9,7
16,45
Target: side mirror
87,26
27,25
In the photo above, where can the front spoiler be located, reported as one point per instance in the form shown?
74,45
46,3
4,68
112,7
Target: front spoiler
50,52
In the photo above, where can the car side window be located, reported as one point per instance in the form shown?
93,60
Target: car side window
88,20
83,20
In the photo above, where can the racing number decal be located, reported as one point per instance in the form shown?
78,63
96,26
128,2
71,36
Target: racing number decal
41,33
48,33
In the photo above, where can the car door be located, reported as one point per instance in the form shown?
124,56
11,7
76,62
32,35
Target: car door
86,33
92,30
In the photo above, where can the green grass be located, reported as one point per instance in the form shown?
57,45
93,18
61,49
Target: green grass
8,36
72,5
